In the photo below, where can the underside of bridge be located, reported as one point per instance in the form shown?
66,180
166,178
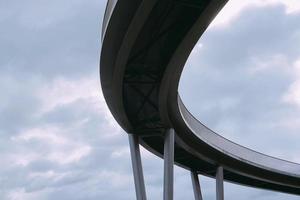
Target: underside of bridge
145,45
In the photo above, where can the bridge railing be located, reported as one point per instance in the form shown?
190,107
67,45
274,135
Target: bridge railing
235,150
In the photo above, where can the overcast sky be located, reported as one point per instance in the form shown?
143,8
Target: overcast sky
59,140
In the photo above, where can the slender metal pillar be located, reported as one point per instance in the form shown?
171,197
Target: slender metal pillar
196,186
169,164
137,167
220,183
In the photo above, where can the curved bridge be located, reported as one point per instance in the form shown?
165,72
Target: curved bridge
145,44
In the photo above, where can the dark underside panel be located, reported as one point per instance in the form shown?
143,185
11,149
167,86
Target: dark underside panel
161,34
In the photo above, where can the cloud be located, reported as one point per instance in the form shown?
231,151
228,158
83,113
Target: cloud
292,96
242,72
71,142
70,91
234,8
66,32
58,138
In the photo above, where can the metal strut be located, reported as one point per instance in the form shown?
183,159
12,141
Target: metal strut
169,164
137,167
196,186
220,183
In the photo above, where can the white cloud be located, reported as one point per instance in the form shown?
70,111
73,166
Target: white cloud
47,174
120,152
115,179
71,156
62,92
47,134
234,7
293,95
23,159
57,147
274,61
18,194
49,13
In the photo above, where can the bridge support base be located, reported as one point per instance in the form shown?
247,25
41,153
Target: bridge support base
196,186
168,193
220,183
169,164
137,167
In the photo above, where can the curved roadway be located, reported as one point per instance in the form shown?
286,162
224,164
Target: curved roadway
145,44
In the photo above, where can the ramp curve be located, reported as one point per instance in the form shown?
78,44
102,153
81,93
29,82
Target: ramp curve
145,44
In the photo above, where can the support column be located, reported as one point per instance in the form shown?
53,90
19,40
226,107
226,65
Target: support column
196,186
169,164
137,167
220,183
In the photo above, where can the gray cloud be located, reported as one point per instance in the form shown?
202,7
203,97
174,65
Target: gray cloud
58,139
242,73
66,32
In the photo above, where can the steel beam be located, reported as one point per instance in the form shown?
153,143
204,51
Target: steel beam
196,186
169,164
220,183
137,167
